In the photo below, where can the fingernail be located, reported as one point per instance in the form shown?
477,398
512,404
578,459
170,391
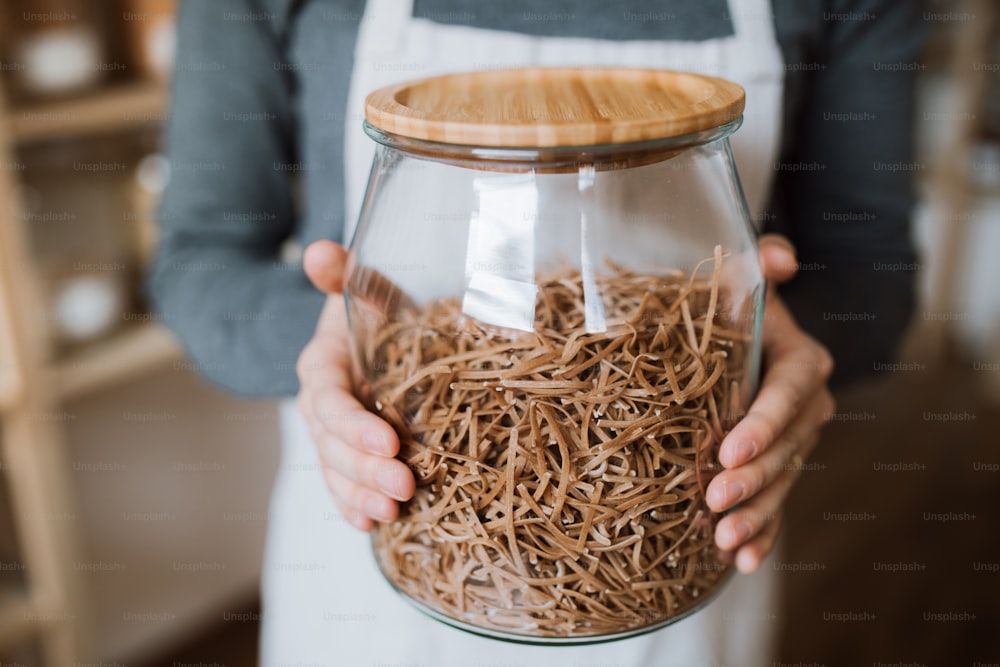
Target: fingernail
734,492
725,494
746,562
745,450
387,483
740,532
376,443
717,495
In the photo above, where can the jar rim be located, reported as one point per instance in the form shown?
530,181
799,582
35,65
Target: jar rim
552,158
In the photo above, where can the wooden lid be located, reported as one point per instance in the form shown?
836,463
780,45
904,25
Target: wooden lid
548,107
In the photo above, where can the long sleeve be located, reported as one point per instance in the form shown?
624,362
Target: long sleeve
242,315
845,182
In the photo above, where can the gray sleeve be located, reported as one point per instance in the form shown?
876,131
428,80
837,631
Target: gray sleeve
241,315
845,182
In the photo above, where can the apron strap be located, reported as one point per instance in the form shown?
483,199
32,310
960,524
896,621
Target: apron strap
382,29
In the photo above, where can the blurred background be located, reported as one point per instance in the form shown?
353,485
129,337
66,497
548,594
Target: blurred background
133,497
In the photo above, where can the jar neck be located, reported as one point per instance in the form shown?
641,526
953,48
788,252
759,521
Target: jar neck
552,159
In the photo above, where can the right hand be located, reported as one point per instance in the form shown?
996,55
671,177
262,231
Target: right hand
356,448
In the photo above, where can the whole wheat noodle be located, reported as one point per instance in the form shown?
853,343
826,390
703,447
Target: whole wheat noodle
560,474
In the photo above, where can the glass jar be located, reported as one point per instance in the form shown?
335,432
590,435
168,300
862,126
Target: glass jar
555,299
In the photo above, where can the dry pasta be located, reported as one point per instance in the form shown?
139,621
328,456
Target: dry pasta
561,474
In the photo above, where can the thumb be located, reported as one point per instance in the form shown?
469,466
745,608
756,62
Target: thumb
325,262
777,259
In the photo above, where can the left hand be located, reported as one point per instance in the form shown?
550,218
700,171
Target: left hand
763,454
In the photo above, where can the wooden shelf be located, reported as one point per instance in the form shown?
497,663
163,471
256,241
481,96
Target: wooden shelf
124,355
41,482
16,623
105,111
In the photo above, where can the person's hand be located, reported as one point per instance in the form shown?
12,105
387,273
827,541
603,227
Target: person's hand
356,448
763,454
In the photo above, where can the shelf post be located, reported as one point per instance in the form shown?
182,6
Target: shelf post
39,480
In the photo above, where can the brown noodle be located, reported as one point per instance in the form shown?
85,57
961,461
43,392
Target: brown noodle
560,474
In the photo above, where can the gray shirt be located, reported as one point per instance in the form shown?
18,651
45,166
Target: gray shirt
255,143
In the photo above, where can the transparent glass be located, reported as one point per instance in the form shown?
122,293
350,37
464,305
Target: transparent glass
561,338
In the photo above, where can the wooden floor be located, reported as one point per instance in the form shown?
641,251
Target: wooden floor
892,541
910,575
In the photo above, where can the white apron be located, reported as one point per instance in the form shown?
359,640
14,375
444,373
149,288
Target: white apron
325,603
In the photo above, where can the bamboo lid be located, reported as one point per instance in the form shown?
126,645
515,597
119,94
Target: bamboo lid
550,107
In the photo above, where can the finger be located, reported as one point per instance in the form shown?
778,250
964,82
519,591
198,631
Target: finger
325,262
794,376
356,443
327,356
343,416
358,520
744,523
385,475
327,397
777,258
337,487
359,505
752,554
735,485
